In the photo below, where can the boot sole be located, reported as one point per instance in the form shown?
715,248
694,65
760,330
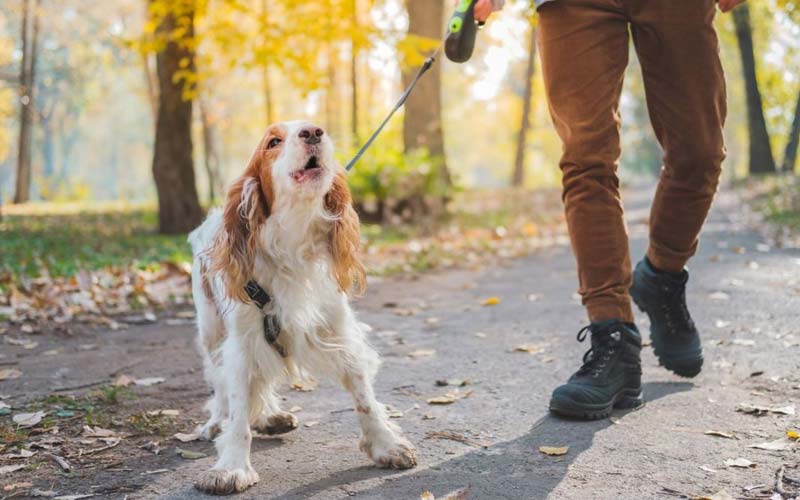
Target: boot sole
685,366
626,399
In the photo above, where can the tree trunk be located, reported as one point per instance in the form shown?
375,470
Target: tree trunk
27,79
761,159
211,157
265,75
354,79
518,177
422,123
792,143
179,209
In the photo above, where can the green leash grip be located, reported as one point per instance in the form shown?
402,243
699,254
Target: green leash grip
462,31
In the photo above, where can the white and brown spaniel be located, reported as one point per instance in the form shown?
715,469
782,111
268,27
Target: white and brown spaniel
288,224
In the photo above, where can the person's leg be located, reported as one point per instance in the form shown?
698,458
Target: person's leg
584,51
685,88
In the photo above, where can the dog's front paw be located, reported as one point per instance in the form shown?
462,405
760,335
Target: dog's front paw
394,452
225,482
277,423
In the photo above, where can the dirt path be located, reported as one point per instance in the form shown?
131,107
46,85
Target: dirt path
745,297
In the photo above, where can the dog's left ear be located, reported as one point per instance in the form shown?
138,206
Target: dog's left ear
345,238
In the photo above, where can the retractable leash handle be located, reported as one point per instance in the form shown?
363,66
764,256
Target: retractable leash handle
462,31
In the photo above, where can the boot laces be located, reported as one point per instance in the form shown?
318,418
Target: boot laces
604,345
676,313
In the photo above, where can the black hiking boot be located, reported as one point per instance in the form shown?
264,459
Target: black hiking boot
662,296
611,375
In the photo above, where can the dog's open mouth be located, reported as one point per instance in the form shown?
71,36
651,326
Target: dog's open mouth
311,170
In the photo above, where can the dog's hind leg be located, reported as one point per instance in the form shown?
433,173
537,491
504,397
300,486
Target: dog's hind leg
272,420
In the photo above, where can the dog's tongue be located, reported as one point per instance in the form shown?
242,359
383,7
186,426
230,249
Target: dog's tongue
299,175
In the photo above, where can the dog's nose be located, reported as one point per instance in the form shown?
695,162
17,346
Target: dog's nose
311,135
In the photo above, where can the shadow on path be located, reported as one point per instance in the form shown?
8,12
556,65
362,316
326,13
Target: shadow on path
507,470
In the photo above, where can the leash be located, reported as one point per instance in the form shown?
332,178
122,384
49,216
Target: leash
458,43
422,70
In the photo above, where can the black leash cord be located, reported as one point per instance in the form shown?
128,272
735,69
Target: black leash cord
422,70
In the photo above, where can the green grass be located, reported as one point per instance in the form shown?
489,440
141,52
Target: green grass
61,244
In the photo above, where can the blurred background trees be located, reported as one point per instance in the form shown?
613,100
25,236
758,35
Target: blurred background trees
161,100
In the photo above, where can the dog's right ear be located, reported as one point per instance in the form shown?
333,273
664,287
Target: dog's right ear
234,247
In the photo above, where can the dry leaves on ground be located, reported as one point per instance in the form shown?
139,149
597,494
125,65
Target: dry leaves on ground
554,451
449,398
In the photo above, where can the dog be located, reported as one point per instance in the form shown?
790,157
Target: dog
288,225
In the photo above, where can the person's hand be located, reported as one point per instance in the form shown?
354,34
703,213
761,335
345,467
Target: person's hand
483,9
724,5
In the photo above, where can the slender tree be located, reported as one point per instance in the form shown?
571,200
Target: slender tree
761,159
179,209
354,77
422,124
793,141
518,177
27,82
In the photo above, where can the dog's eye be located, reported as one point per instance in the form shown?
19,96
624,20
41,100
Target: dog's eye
273,142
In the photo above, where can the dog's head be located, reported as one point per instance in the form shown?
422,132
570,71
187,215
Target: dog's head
293,168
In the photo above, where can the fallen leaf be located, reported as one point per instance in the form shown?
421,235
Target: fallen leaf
480,335
7,469
794,435
721,323
10,373
17,486
311,423
459,494
97,432
123,381
28,419
449,398
421,353
393,412
73,497
188,454
304,385
529,348
759,410
739,462
186,438
427,495
533,297
554,451
295,409
24,343
23,453
65,413
455,382
777,445
146,382
720,434
719,296
491,301
164,413
707,469
432,321
720,495
743,342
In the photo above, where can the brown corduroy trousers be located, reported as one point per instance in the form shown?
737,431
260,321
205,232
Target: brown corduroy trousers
584,51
